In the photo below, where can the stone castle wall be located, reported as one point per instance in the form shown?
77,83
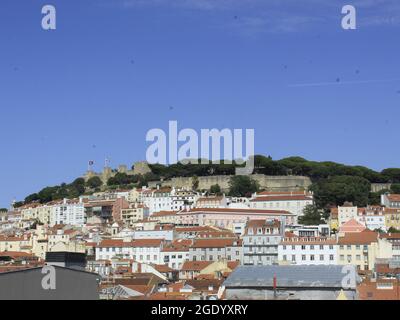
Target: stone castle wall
272,183
139,168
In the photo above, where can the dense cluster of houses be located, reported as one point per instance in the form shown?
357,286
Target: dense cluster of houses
173,244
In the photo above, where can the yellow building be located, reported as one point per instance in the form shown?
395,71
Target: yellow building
35,211
65,241
166,217
333,219
135,212
392,218
362,249
16,244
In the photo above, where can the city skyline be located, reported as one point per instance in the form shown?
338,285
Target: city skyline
111,71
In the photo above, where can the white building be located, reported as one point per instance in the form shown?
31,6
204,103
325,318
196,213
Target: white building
291,202
167,235
183,199
176,254
68,212
372,217
346,213
156,200
390,200
322,230
260,242
143,251
216,250
308,251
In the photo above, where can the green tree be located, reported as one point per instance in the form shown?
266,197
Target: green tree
311,216
393,230
395,188
334,191
195,182
242,186
18,204
215,189
393,174
31,198
94,182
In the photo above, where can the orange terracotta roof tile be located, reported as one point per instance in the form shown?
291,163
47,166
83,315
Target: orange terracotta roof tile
363,238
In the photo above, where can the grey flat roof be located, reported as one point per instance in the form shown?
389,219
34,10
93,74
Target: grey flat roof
307,276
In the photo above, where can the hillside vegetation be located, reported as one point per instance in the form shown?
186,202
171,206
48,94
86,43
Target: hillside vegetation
332,183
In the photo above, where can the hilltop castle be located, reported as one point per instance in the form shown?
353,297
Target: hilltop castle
271,183
138,168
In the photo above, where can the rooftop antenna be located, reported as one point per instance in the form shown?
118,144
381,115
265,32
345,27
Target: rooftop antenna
107,163
90,165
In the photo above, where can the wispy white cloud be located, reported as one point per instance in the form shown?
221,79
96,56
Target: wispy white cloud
282,16
339,83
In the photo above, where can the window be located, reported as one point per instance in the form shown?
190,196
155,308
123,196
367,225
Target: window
284,257
303,257
312,258
331,257
321,257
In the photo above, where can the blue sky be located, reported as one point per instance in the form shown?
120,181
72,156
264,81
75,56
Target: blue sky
114,69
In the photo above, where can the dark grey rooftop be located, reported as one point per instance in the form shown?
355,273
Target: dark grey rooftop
291,276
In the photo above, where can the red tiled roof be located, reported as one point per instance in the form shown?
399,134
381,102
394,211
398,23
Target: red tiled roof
15,254
364,238
109,243
312,241
164,214
368,290
239,211
394,197
195,265
163,268
215,243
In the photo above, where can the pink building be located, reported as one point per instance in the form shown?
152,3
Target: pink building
227,217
